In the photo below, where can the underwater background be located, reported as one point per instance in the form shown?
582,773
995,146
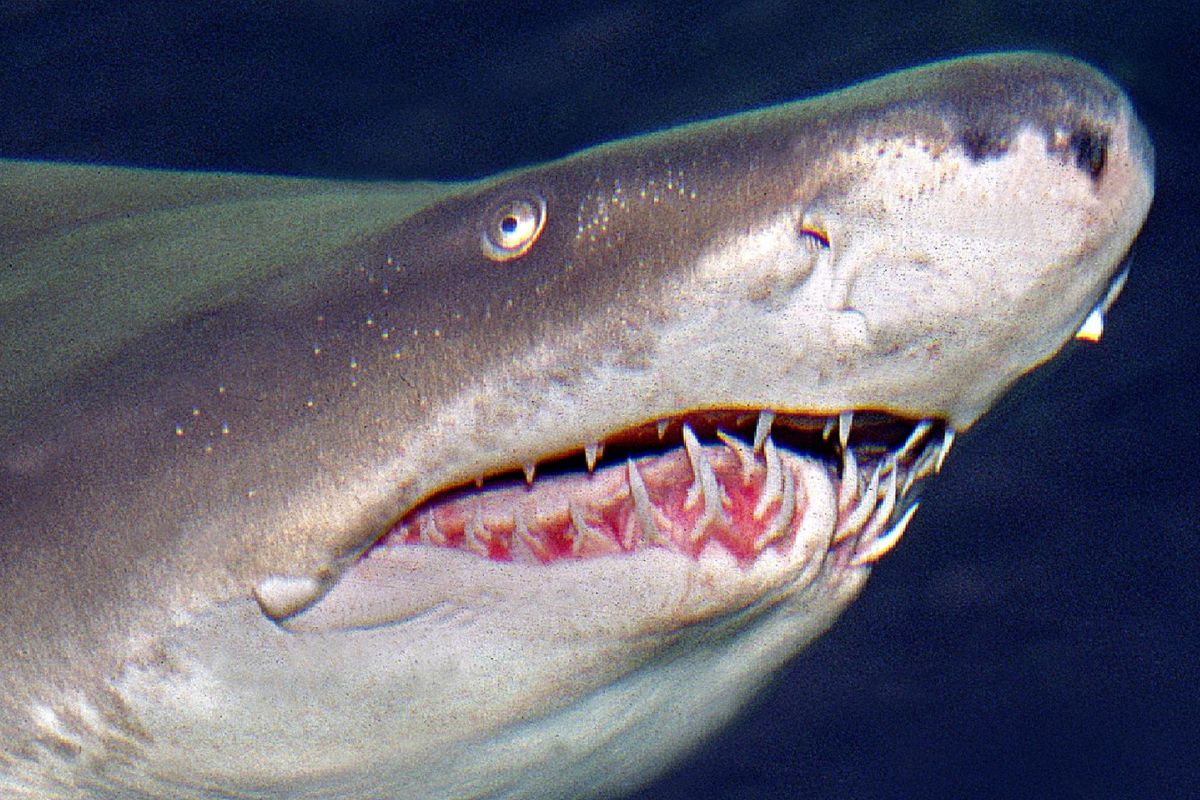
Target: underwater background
1037,632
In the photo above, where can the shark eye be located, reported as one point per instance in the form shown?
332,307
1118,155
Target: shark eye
513,227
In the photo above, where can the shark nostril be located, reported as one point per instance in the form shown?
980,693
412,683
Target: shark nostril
1091,151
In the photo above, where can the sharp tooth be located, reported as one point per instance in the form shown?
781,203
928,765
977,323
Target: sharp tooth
947,440
783,517
582,528
704,485
883,513
642,505
926,461
398,535
695,454
828,429
762,428
1093,327
521,533
889,464
591,453
910,477
477,535
862,512
1115,289
914,438
580,525
884,544
845,420
662,428
742,452
430,534
529,469
773,483
478,481
849,486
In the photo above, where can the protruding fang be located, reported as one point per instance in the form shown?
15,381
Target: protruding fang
591,453
762,428
884,544
773,483
704,484
910,477
662,428
889,464
827,430
947,440
695,454
478,481
783,517
925,462
1093,327
477,535
642,505
914,438
884,512
845,420
529,468
849,486
862,512
1114,289
744,454
430,534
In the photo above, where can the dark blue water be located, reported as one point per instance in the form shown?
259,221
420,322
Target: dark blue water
1036,633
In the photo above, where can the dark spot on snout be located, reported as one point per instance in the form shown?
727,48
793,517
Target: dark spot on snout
1091,151
980,144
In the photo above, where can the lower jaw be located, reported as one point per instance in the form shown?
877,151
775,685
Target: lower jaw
588,673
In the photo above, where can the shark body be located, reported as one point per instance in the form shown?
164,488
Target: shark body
514,488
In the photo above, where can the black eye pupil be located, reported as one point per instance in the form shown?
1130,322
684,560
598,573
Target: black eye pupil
508,224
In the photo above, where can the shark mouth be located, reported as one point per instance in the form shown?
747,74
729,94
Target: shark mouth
741,484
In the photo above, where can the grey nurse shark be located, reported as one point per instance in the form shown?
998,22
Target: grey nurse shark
514,488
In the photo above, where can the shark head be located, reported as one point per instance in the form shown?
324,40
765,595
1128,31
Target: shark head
513,488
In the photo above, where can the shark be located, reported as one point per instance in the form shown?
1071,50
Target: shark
515,487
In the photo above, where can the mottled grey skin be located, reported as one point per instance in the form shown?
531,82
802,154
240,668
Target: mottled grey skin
198,392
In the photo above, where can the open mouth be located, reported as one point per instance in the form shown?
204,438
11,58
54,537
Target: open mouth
734,483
